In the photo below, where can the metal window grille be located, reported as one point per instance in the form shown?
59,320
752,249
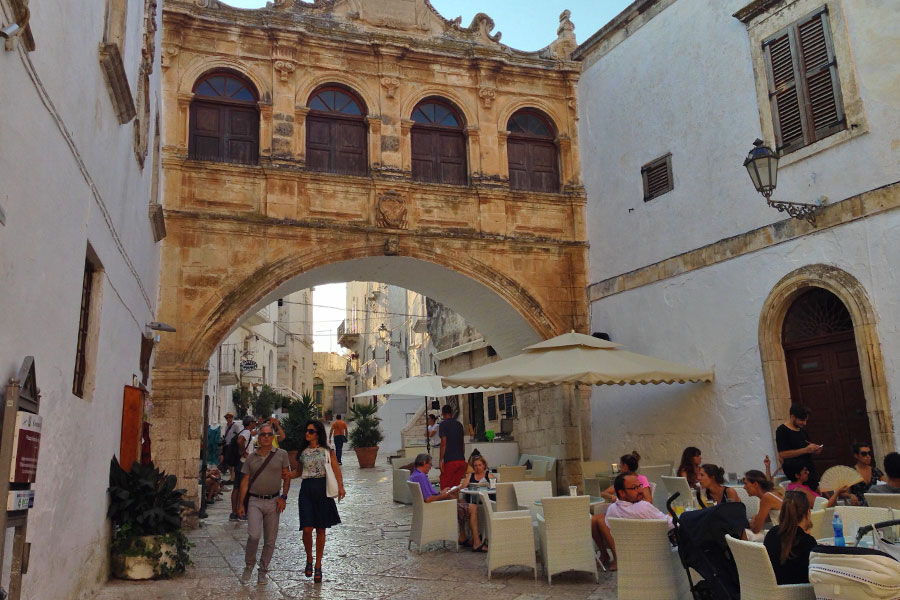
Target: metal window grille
83,320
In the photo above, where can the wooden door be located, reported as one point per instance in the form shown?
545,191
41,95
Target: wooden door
825,377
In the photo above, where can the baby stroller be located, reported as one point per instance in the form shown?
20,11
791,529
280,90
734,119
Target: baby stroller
701,546
855,573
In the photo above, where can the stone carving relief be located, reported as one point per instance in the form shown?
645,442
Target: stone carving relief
391,210
284,68
142,101
565,43
487,95
391,246
390,85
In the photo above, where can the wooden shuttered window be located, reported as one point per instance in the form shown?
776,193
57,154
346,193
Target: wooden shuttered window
657,177
84,315
532,153
224,120
336,133
804,89
438,144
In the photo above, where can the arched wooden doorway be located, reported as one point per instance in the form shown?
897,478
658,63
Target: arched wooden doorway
824,374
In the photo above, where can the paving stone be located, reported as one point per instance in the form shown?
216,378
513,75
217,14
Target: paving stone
366,558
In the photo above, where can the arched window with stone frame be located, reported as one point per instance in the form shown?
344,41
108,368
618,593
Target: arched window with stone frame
224,119
438,143
336,132
532,152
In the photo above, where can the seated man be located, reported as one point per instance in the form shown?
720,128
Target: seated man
630,505
892,474
465,510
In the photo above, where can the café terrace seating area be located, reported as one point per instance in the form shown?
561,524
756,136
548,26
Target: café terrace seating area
526,525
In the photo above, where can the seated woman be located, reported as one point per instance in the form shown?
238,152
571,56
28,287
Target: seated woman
691,459
798,476
789,542
770,498
712,481
477,472
628,463
865,466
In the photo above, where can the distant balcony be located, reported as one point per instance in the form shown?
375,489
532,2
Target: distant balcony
348,336
259,317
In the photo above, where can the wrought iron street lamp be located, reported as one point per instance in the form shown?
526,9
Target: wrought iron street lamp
762,165
385,335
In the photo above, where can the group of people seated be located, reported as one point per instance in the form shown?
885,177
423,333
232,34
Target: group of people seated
477,472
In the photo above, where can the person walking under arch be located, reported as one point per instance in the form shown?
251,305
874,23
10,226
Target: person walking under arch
317,510
338,433
263,472
453,449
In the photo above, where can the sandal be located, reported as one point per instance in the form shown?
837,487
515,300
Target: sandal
466,544
481,548
308,571
318,577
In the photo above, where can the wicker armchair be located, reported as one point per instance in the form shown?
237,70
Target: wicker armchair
431,522
565,533
506,497
884,500
648,566
757,577
529,491
680,485
750,502
854,517
401,490
538,471
821,523
512,538
594,486
510,473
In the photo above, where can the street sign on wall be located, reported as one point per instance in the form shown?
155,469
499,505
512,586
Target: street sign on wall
27,442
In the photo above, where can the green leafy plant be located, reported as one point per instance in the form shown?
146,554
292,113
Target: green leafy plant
300,412
145,502
240,397
367,432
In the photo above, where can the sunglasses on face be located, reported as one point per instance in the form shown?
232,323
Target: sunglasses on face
266,434
865,453
310,431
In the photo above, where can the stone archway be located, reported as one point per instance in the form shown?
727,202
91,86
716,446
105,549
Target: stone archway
871,363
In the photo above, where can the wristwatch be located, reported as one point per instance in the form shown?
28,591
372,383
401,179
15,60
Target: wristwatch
284,496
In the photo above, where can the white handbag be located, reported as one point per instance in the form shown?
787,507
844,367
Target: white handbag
331,484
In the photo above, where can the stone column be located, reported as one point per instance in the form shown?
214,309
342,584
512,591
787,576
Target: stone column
177,427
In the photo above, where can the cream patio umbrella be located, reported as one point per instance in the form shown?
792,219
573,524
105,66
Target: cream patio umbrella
420,386
575,358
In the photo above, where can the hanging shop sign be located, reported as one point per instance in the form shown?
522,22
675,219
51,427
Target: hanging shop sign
26,444
248,365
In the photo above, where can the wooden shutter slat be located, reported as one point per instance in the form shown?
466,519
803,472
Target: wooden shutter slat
657,177
812,42
782,62
820,75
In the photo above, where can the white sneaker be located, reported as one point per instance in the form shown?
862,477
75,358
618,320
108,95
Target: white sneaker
245,576
262,578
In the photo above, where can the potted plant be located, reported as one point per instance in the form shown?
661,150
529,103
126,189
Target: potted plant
365,437
145,510
300,413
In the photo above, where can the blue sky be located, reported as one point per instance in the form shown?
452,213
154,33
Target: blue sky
526,24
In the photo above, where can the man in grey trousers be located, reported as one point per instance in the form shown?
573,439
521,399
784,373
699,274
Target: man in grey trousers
267,501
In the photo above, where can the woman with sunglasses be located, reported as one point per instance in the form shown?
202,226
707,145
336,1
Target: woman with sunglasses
865,466
317,510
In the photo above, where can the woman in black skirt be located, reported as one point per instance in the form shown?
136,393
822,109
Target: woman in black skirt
317,510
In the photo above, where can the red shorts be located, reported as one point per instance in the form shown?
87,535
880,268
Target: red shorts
452,473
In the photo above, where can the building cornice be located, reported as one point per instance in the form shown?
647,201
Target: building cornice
624,25
754,9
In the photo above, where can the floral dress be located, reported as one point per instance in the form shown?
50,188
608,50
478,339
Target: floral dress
317,510
859,490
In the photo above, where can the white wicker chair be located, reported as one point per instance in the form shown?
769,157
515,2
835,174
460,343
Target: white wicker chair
648,566
529,491
565,532
884,500
680,485
757,577
854,517
506,497
750,502
511,536
538,471
432,521
654,474
821,523
510,473
401,490
594,486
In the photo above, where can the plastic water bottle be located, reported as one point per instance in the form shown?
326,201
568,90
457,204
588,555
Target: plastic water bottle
838,526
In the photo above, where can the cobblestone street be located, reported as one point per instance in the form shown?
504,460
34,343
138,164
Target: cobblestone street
366,558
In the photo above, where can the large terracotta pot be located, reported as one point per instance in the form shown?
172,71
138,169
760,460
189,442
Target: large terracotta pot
366,456
141,567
